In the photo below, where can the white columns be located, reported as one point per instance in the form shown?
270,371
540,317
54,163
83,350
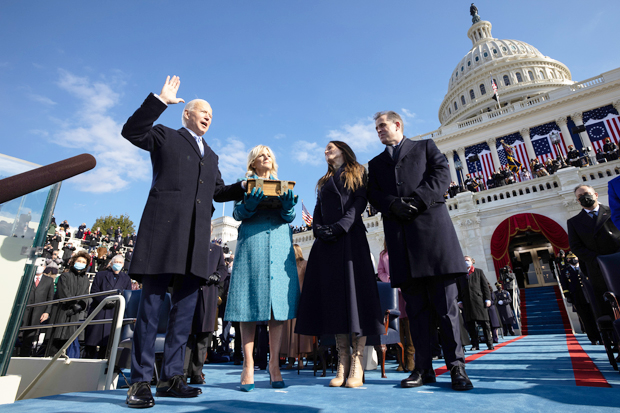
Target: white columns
568,139
461,153
531,153
450,155
577,117
496,163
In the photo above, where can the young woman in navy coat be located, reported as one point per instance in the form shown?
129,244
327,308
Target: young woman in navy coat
340,293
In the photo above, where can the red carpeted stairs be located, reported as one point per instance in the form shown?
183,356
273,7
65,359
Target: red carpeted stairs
543,312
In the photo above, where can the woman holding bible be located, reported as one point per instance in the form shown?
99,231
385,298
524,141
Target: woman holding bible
264,285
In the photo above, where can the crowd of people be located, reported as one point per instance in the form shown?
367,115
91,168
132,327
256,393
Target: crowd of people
506,176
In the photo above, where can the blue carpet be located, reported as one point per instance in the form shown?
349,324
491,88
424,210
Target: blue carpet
532,374
543,312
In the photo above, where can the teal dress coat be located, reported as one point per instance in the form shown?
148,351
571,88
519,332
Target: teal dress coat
264,276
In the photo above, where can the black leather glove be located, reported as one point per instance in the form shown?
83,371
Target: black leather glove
325,233
403,209
109,306
213,278
76,308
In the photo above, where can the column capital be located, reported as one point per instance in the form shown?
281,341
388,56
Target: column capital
525,132
617,105
491,142
449,152
460,151
577,117
561,121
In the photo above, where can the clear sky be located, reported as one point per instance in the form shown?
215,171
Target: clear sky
289,74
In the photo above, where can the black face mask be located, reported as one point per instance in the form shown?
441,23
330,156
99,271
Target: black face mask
573,261
587,200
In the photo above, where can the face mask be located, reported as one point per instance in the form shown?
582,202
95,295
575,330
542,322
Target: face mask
468,263
573,261
40,270
587,200
117,266
79,266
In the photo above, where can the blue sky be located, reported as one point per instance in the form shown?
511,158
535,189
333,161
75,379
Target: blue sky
288,74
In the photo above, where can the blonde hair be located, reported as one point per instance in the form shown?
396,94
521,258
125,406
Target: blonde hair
254,153
299,255
473,261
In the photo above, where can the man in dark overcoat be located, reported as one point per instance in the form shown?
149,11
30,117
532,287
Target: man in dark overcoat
110,278
174,235
406,184
592,233
41,291
474,298
503,301
571,280
205,315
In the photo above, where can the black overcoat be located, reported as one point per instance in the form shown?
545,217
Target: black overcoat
473,293
427,246
175,231
97,335
588,238
505,309
206,306
71,283
39,294
340,294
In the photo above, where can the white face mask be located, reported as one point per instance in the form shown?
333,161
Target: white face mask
468,263
40,269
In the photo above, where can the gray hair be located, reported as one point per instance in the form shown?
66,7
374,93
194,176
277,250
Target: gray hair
189,107
392,117
119,256
583,186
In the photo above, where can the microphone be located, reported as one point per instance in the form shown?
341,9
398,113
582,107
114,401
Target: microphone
30,181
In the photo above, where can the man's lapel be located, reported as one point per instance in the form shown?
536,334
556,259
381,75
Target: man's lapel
185,133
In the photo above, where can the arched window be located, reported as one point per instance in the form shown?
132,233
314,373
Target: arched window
531,75
450,111
541,74
472,95
483,90
462,100
519,77
455,106
477,58
506,80
552,74
486,54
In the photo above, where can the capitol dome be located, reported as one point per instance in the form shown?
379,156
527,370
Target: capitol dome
520,71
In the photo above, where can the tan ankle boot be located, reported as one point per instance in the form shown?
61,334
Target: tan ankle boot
344,360
356,376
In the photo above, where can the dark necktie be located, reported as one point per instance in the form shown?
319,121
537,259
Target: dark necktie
593,214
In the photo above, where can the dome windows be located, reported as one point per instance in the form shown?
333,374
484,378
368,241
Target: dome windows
494,51
468,63
462,68
531,75
462,100
455,106
519,77
504,48
477,58
486,54
541,74
513,48
472,95
506,80
483,90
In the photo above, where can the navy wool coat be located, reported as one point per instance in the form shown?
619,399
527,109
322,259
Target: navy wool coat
175,229
428,245
97,335
340,293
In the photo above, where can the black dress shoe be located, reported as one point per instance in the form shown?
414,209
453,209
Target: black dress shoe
196,380
490,346
176,387
460,380
139,395
473,348
419,377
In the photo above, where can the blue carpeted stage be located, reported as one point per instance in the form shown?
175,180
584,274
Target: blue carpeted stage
535,373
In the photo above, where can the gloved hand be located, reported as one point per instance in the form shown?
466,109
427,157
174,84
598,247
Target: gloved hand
487,303
500,302
77,308
109,306
402,210
325,233
288,199
213,278
254,198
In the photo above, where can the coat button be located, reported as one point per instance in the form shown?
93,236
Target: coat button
268,232
399,183
198,201
202,163
201,181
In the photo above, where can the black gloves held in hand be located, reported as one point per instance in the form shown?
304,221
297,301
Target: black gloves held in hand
213,279
74,309
404,209
328,233
109,306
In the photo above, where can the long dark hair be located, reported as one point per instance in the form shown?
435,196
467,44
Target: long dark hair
354,174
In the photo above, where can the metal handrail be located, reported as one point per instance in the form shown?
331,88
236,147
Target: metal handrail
76,323
75,298
115,338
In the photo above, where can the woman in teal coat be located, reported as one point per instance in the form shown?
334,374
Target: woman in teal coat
264,285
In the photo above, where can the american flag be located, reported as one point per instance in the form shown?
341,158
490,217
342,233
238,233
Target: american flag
484,167
305,215
495,94
541,141
518,146
602,123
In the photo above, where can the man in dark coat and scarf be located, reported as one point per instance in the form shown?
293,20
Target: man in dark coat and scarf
406,184
474,298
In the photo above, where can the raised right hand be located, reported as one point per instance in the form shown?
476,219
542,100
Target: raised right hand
169,92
